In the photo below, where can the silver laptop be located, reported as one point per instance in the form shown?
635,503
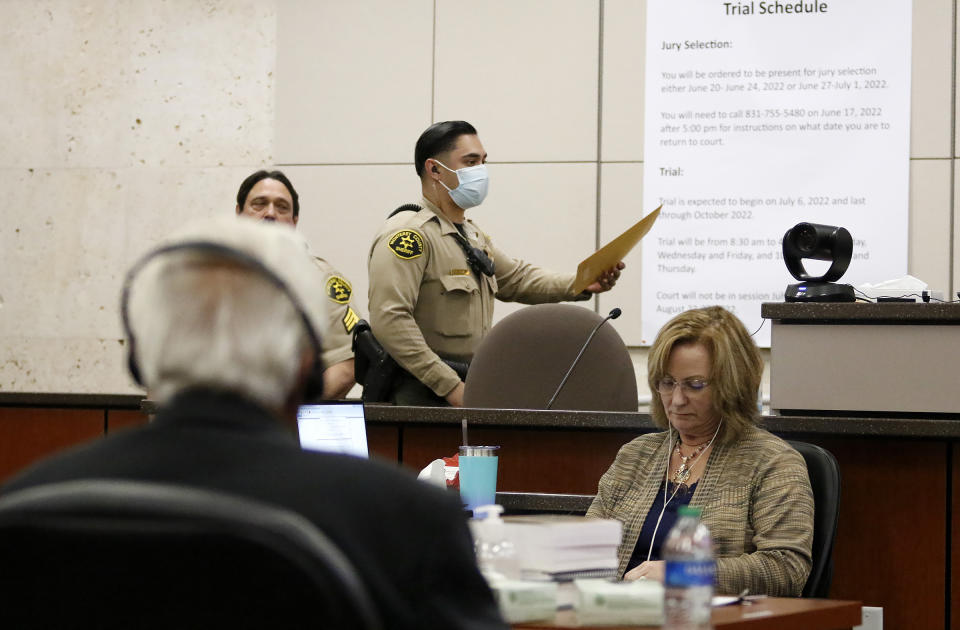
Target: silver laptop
333,427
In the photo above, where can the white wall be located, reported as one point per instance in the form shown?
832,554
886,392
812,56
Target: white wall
120,120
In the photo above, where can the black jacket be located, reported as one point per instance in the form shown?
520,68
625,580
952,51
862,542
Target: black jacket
408,541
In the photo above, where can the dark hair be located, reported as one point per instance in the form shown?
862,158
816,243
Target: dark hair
251,181
439,138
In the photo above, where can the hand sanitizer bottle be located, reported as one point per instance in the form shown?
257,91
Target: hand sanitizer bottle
496,553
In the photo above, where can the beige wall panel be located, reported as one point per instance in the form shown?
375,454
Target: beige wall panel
121,120
353,80
639,358
81,365
929,245
955,244
953,82
624,56
621,205
116,84
932,70
543,214
65,260
524,73
342,209
163,200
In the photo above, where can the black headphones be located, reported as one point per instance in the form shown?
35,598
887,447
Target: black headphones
313,388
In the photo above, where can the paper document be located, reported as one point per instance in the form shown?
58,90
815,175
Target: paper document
613,252
551,546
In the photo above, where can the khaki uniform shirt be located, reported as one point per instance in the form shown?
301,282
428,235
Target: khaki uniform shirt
337,335
426,303
756,500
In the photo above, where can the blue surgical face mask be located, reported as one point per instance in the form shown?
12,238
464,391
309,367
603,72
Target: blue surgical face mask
473,185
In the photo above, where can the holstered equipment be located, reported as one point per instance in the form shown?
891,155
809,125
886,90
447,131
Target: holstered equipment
460,367
373,367
377,371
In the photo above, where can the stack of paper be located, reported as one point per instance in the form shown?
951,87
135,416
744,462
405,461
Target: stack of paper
521,601
552,547
601,602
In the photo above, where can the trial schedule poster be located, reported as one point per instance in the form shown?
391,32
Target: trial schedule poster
760,115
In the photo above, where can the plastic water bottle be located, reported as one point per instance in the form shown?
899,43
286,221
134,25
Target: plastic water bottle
496,553
689,574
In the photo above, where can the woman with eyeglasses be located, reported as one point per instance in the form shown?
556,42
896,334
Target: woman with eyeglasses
704,371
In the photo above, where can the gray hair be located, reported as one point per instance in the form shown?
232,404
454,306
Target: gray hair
202,319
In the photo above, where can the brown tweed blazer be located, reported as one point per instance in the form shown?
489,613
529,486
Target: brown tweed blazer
756,501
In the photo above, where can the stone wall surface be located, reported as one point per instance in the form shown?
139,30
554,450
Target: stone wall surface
119,121
122,119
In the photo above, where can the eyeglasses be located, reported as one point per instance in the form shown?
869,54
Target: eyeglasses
690,386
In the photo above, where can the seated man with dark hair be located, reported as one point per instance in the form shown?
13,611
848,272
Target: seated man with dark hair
269,196
222,327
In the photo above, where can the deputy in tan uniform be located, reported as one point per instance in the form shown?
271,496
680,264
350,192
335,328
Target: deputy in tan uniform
269,196
434,274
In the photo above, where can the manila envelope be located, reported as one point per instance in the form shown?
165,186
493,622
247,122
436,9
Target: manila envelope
613,252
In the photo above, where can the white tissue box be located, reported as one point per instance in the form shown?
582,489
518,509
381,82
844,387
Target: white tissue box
602,602
521,601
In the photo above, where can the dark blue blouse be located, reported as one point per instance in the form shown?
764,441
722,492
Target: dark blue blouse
666,524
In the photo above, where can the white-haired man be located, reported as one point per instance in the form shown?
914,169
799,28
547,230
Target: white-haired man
221,326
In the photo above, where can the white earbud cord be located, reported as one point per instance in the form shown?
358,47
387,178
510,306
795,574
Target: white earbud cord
667,501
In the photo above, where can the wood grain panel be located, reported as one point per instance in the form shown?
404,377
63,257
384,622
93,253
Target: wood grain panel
119,419
780,613
531,460
891,538
955,542
29,434
383,441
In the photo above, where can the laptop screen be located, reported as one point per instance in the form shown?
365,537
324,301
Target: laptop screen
333,427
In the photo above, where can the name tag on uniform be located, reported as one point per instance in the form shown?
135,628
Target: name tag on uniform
459,272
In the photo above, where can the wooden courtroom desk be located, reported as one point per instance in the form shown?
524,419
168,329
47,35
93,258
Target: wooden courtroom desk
900,487
863,358
33,426
898,541
779,613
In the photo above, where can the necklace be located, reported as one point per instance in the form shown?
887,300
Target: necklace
683,469
686,465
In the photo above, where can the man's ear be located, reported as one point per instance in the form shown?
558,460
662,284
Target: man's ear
296,218
239,209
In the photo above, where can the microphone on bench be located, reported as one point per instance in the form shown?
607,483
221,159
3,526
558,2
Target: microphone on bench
615,313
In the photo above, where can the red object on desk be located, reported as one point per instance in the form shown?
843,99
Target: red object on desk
453,461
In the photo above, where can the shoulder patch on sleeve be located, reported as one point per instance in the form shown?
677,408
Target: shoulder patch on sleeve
350,320
339,290
406,244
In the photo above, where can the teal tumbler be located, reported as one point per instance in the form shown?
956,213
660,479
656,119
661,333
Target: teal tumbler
478,475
